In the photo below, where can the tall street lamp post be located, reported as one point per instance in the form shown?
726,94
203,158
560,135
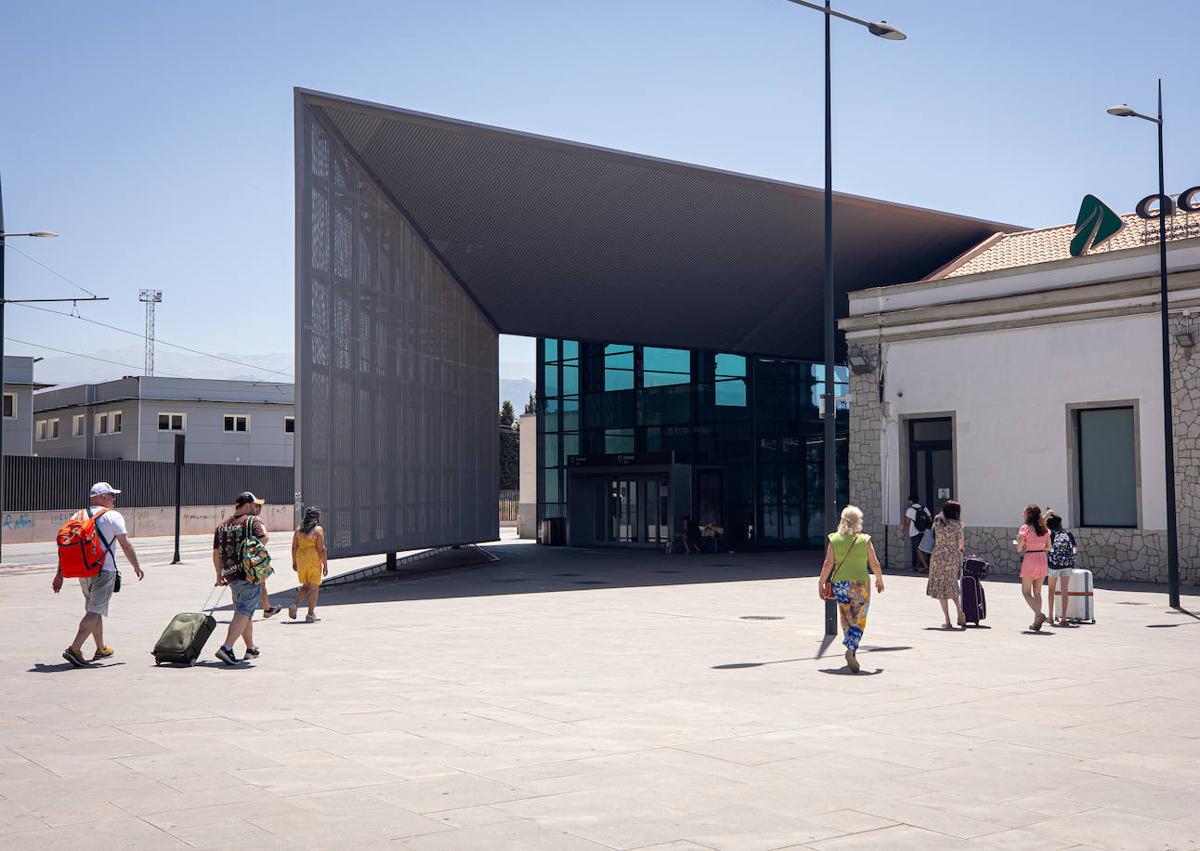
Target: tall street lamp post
1125,111
3,301
884,30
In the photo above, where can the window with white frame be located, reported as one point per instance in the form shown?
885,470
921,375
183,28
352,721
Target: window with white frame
114,422
77,422
102,423
52,429
39,430
289,425
239,423
171,422
10,406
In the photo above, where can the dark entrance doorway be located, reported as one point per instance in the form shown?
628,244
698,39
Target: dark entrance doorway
931,460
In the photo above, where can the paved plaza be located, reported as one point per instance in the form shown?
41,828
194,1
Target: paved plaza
567,699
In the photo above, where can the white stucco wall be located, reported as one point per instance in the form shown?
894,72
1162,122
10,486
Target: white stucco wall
1011,428
527,509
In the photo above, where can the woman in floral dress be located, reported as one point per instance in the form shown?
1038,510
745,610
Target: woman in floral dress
946,561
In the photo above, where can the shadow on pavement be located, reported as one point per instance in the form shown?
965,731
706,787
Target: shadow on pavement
533,569
846,672
737,666
41,668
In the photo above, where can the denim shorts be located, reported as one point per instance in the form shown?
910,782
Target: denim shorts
245,597
1060,571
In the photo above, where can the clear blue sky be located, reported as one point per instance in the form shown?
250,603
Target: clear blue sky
157,137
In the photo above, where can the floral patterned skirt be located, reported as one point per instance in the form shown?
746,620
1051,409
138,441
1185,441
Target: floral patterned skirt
944,566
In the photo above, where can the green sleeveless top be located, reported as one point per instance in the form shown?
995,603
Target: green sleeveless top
854,566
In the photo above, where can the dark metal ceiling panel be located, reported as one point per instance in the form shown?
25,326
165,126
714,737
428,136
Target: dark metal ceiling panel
559,239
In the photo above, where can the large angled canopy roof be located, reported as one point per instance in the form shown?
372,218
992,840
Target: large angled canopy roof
560,239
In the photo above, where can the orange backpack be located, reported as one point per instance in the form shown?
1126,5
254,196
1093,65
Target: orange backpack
81,547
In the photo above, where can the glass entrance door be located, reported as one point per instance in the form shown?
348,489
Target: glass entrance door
637,512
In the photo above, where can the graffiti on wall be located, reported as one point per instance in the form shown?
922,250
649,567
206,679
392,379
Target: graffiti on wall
17,520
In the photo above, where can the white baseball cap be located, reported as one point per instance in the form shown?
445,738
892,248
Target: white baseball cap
103,488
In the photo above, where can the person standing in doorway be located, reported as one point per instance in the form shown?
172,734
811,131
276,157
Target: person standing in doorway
844,578
228,541
946,562
98,589
1060,561
916,523
1033,540
689,535
310,560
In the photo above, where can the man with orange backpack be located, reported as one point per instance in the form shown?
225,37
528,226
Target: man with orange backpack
85,551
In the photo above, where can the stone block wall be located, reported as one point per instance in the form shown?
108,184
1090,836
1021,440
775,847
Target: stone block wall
1129,555
865,448
1185,396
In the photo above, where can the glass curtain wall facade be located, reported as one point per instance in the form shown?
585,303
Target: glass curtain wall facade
748,427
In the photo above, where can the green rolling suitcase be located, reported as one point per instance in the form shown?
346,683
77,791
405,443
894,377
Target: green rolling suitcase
183,640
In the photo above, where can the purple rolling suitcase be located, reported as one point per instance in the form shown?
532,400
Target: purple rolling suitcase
975,567
974,600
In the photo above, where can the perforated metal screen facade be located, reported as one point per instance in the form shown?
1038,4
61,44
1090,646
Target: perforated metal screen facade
396,368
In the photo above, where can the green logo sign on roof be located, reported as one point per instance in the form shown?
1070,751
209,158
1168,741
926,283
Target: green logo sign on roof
1095,225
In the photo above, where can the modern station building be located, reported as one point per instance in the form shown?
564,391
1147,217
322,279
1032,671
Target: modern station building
1019,373
677,308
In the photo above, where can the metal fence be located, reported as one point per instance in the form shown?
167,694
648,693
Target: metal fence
33,483
509,500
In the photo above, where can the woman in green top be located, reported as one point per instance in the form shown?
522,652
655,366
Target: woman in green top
847,557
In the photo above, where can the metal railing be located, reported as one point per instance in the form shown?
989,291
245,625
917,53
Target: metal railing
509,500
33,483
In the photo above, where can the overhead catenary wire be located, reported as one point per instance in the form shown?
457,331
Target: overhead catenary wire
159,340
60,275
81,355
137,334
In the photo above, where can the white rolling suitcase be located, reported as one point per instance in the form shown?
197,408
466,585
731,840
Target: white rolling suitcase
1080,602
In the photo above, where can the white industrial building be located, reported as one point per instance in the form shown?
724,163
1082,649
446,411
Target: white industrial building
136,418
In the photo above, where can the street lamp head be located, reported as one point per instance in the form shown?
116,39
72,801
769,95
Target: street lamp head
43,233
885,30
1122,110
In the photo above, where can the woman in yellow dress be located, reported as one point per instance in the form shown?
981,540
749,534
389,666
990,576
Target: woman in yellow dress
310,560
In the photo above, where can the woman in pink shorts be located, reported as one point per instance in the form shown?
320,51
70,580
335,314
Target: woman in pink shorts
1032,542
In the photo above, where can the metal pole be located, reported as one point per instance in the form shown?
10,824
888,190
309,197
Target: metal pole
830,419
179,458
1168,408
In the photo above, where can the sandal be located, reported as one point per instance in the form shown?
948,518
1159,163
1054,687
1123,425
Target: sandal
962,619
311,619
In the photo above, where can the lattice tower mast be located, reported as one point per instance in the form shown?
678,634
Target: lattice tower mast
150,298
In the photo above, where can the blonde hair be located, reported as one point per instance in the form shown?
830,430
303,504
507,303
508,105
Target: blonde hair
852,520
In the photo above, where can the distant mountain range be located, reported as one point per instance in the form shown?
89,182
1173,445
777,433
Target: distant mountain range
110,364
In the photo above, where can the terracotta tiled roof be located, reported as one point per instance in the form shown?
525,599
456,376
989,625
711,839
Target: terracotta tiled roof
1030,247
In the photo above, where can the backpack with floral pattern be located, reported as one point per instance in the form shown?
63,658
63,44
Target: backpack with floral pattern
1062,550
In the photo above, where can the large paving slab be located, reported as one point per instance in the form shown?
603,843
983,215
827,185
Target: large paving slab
580,699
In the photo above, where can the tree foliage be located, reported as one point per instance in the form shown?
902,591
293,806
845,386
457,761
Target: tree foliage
510,449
